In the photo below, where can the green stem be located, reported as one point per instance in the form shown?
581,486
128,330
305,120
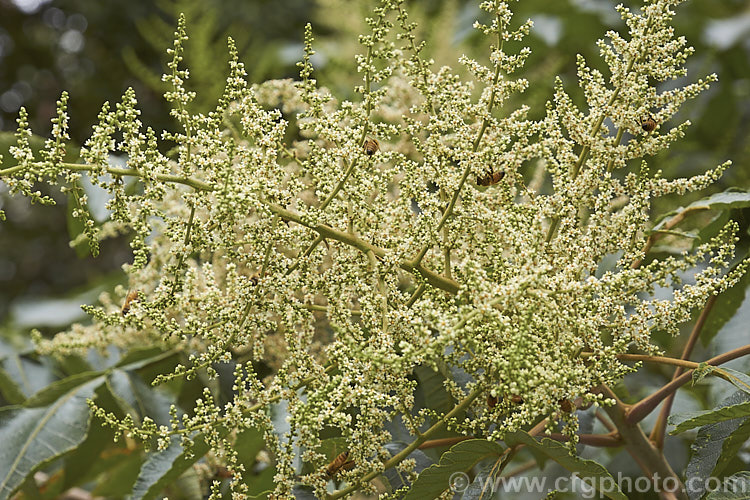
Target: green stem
177,179
526,466
316,307
290,154
610,440
341,183
403,454
366,126
507,458
407,414
668,226
269,247
446,255
249,409
430,276
415,296
662,360
229,340
439,443
474,148
423,70
380,285
176,280
350,167
593,132
446,244
305,254
615,143
30,489
117,172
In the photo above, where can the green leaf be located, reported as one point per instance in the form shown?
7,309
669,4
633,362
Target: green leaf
21,377
186,487
432,389
59,388
149,354
395,477
712,228
726,200
707,447
118,385
483,485
121,473
162,468
738,379
597,475
332,447
73,364
434,480
138,399
8,139
724,308
260,484
735,487
686,421
10,391
33,436
397,429
97,451
137,362
732,446
248,444
303,493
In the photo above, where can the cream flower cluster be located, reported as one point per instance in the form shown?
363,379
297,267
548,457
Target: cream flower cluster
270,235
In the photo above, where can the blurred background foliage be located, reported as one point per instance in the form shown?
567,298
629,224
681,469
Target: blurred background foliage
96,50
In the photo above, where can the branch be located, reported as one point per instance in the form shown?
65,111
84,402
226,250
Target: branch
593,133
437,443
430,276
657,433
323,230
669,225
304,254
401,456
638,411
474,148
415,296
650,459
606,423
119,172
663,360
531,464
611,440
368,110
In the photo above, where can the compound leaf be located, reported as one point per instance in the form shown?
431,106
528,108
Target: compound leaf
460,458
589,471
33,436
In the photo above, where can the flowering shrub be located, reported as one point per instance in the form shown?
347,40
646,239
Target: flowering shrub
340,255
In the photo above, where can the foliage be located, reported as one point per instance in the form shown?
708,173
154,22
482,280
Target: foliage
325,293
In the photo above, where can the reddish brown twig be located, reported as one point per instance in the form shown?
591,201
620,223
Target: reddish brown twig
658,432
